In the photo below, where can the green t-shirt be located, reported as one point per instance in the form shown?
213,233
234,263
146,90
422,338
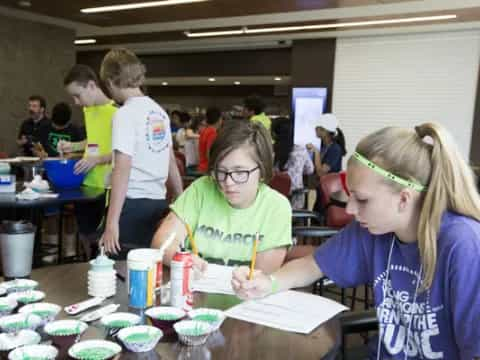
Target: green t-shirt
225,235
262,119
98,124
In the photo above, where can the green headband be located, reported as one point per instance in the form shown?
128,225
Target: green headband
387,174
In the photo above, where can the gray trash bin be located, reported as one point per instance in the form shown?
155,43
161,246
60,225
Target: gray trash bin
16,242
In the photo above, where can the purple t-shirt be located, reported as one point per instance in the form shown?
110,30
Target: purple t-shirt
445,319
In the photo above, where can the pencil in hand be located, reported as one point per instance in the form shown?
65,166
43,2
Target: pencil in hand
191,239
254,257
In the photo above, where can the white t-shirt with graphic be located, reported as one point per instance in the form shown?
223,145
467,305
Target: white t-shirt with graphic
141,129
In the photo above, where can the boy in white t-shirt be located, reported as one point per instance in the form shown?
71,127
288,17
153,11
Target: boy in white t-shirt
143,157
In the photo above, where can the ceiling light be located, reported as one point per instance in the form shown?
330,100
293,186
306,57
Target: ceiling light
277,78
215,33
24,3
212,79
164,83
137,5
84,41
247,31
237,82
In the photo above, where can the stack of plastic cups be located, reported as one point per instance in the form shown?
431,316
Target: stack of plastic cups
102,279
144,276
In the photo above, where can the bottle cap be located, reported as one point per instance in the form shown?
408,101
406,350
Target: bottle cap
102,262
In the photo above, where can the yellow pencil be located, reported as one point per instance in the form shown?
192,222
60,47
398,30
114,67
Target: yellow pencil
191,239
254,257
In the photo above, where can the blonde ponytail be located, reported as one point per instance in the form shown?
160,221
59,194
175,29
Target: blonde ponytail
427,156
451,187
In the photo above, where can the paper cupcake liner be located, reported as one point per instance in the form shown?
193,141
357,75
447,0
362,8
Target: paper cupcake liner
140,338
34,352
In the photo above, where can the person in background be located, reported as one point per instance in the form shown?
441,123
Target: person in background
82,84
329,159
59,129
175,121
228,206
291,158
254,111
180,135
415,239
192,135
28,133
143,157
208,136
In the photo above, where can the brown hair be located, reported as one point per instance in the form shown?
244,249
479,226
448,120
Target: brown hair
41,100
123,68
81,74
428,156
237,133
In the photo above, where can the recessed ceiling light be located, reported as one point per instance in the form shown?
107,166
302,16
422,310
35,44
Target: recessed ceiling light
24,3
277,78
237,82
164,83
212,79
84,41
141,5
247,31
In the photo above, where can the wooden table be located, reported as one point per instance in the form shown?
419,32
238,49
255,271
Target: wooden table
66,284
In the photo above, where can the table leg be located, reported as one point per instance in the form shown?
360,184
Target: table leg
37,220
60,235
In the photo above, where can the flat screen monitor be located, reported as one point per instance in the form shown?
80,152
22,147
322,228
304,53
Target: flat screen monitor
307,105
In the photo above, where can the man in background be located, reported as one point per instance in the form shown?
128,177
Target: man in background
29,129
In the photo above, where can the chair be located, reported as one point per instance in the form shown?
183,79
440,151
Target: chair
335,214
181,156
357,322
282,183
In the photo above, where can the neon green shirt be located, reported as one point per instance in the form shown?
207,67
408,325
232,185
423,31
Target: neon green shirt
262,119
225,235
98,123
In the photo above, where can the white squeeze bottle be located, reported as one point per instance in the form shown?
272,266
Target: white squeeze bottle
102,281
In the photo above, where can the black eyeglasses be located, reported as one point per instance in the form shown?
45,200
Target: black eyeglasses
238,176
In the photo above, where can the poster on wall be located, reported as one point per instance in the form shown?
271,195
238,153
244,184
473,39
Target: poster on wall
307,105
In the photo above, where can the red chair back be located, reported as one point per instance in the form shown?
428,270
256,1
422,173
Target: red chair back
181,156
282,183
335,215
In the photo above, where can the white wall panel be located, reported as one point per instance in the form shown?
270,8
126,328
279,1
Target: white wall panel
405,80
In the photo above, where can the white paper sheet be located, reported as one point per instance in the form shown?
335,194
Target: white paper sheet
216,280
294,311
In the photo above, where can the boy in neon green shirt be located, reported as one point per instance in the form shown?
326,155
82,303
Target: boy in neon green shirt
83,85
253,110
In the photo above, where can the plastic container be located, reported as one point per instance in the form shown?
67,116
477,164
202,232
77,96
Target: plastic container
61,174
143,266
16,242
102,279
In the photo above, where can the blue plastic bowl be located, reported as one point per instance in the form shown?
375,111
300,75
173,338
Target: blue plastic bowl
61,175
